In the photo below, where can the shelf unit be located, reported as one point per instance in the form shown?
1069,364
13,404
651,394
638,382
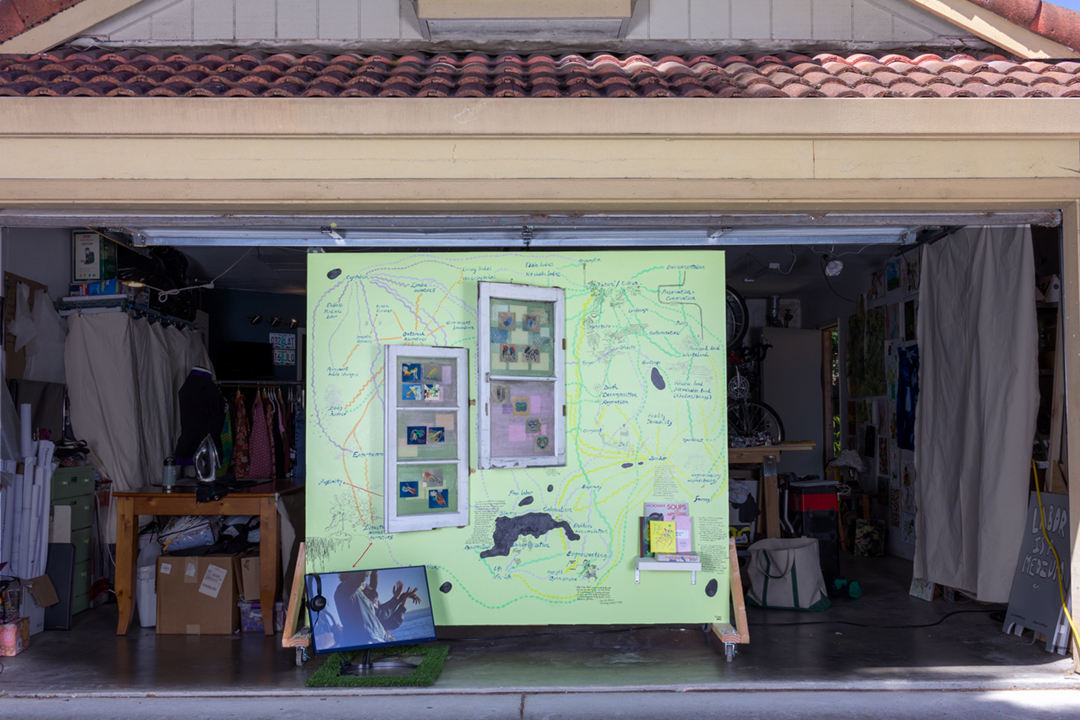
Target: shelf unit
649,564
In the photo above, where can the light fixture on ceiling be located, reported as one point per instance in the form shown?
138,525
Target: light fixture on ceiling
274,321
255,319
293,324
832,266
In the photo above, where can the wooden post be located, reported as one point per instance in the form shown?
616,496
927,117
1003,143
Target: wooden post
126,553
1070,314
1054,480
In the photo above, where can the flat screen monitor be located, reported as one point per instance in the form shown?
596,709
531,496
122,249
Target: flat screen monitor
367,609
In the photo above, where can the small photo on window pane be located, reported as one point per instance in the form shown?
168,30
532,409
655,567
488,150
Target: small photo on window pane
506,321
437,499
521,407
409,490
410,372
433,373
432,477
416,435
412,392
508,353
432,393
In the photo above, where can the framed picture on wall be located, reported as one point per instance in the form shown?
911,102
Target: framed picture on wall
426,483
521,395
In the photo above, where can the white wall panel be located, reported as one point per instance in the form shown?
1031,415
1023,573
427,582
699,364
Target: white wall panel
670,19
255,19
871,22
297,19
380,19
135,31
751,20
792,19
410,24
213,19
835,21
710,19
832,20
639,21
339,20
173,22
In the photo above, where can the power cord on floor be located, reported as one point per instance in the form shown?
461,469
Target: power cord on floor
1061,585
942,619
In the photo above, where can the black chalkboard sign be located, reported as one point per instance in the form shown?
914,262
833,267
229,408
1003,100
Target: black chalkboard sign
1035,600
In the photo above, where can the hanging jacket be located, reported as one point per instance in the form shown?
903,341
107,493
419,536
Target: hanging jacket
269,411
260,449
241,436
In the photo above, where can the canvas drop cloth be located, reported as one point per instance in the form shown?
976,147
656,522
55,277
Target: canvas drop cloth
123,378
978,399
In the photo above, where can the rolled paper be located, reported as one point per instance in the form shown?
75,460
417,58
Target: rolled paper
26,436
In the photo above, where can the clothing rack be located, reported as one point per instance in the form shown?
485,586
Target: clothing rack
259,383
116,303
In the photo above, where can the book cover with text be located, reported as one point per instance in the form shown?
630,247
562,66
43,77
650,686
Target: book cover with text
662,536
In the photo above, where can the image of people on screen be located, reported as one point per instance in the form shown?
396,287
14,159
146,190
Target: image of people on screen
371,608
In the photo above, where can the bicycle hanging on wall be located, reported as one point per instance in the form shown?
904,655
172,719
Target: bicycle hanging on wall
751,422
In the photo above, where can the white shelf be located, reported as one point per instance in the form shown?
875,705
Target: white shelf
649,564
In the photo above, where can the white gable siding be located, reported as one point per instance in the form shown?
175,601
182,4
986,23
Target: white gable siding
765,22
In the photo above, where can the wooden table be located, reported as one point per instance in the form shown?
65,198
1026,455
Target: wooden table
770,493
258,500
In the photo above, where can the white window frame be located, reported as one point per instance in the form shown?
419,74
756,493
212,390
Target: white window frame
520,293
408,523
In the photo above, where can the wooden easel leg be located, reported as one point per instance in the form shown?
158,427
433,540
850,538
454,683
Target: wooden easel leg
292,636
740,634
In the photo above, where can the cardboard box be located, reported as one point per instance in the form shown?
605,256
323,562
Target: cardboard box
14,637
198,595
249,576
249,572
32,610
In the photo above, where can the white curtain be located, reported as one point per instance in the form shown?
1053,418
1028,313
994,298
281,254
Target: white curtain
978,399
123,378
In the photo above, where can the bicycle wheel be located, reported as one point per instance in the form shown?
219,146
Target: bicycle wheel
749,419
737,318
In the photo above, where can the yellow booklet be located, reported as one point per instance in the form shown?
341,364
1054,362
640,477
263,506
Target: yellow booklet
662,536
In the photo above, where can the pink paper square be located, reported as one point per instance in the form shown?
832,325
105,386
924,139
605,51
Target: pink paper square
516,431
536,405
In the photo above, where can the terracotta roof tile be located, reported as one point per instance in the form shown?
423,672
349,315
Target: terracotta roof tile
135,73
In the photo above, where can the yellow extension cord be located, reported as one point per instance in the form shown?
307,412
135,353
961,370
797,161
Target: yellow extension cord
1061,585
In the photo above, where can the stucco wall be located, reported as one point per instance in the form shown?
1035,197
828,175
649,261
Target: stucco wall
891,22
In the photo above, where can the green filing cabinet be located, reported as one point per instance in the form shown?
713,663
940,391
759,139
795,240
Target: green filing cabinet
74,486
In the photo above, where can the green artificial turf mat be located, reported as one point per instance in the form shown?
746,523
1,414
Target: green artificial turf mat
424,674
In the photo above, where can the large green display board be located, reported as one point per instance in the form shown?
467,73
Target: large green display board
646,422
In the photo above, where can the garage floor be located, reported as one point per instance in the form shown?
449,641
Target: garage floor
793,651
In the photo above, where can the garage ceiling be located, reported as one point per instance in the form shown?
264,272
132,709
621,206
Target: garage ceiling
284,270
